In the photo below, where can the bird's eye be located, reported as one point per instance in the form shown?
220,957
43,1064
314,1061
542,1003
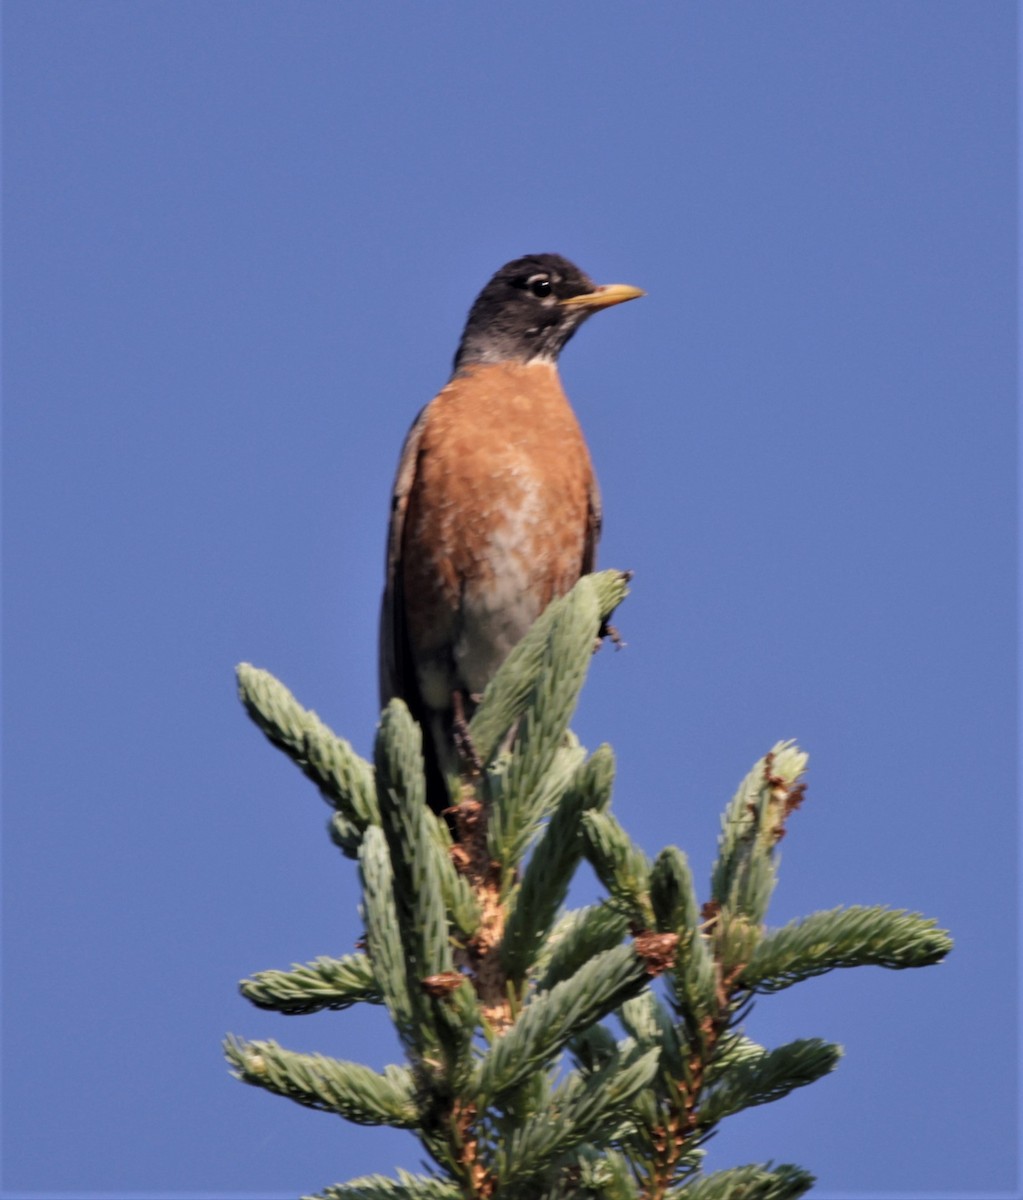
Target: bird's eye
540,285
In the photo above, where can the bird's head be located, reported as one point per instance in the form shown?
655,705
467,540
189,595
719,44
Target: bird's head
530,308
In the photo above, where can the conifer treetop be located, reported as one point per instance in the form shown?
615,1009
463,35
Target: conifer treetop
513,1084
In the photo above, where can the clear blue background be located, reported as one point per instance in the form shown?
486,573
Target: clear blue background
241,239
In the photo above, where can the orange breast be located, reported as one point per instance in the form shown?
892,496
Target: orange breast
498,516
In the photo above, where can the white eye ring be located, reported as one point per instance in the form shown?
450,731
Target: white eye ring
539,285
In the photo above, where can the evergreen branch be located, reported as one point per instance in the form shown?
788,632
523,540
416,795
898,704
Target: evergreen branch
568,758
552,1018
784,1182
549,705
612,587
759,1079
631,1118
382,937
446,1012
614,1075
744,874
552,865
508,692
595,1047
694,979
345,834
521,1103
673,895
738,825
512,826
579,936
620,866
605,1175
379,1187
734,1049
647,1021
857,936
326,983
329,1084
416,858
586,1108
345,780
459,898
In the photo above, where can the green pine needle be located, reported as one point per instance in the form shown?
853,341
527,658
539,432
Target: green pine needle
326,983
620,866
345,780
648,1022
382,936
673,895
760,1078
579,936
606,1175
549,705
745,872
585,1107
553,863
857,936
552,1018
784,1182
348,1089
508,693
416,857
503,1120
379,1187
513,826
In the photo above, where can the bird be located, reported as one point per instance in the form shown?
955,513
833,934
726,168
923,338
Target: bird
495,509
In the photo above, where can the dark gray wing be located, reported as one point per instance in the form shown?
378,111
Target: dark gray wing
397,672
594,521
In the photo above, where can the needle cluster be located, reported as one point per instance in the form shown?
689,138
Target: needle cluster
514,1082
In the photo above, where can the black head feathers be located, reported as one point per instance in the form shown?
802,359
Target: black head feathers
529,310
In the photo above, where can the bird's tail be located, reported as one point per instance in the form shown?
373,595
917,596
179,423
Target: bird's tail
438,759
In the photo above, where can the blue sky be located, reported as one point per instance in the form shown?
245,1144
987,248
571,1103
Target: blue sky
241,239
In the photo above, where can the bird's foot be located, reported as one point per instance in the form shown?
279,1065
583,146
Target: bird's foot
607,630
464,745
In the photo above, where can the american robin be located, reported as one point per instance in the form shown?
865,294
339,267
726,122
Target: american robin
496,509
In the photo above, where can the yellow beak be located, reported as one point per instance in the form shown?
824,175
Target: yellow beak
604,297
